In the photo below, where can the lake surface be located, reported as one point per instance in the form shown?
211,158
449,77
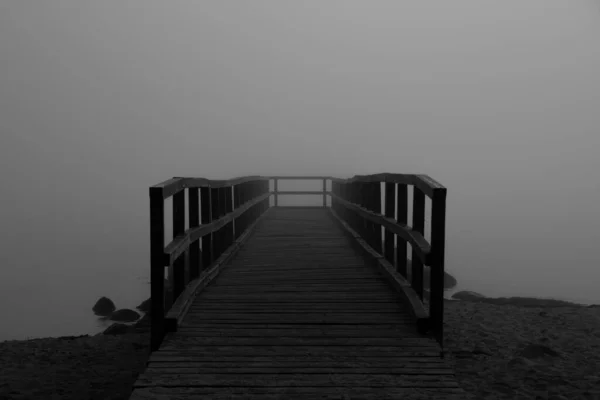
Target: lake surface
496,100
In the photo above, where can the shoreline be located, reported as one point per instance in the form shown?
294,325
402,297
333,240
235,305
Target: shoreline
518,301
497,351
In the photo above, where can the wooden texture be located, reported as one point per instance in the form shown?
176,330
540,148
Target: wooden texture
297,314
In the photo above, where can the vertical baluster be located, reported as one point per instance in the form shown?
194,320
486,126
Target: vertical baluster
401,254
376,208
194,221
206,215
438,238
157,267
390,205
418,226
178,280
216,204
229,209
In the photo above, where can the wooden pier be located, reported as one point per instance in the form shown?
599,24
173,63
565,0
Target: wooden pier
276,302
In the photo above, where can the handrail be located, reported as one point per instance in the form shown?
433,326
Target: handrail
357,201
229,207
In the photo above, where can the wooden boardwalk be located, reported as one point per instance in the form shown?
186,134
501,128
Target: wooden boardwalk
297,314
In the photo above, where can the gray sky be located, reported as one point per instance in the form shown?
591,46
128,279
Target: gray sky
498,100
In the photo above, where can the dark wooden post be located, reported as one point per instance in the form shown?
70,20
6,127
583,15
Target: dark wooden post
236,204
266,189
376,208
206,215
228,209
358,221
157,267
418,226
194,221
390,205
367,199
402,200
438,238
324,192
214,202
178,230
275,192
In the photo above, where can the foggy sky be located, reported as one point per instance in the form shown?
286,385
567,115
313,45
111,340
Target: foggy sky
497,100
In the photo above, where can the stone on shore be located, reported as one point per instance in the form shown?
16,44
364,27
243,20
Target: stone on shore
124,315
104,307
118,329
144,306
468,296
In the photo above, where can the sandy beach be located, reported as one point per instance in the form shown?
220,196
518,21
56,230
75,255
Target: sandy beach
487,344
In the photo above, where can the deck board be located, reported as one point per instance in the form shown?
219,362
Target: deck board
297,315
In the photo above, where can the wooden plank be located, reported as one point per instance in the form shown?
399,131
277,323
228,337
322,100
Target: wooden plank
178,369
289,363
313,296
297,393
338,275
290,306
352,285
330,318
359,351
186,340
296,359
240,331
257,279
150,379
406,329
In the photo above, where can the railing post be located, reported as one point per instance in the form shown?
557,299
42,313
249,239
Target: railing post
418,226
178,279
376,208
324,192
214,212
194,221
438,238
275,199
390,205
157,267
228,209
236,204
206,215
402,218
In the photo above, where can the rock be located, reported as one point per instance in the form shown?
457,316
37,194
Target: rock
104,307
124,315
449,281
468,296
143,324
117,329
144,306
536,351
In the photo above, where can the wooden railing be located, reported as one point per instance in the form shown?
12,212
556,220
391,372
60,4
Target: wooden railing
277,192
358,202
221,213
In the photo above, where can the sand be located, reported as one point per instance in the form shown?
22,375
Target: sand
483,343
486,342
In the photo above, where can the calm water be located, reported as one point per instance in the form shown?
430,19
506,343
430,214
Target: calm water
497,100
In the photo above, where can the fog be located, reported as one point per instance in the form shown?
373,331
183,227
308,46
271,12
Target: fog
497,100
